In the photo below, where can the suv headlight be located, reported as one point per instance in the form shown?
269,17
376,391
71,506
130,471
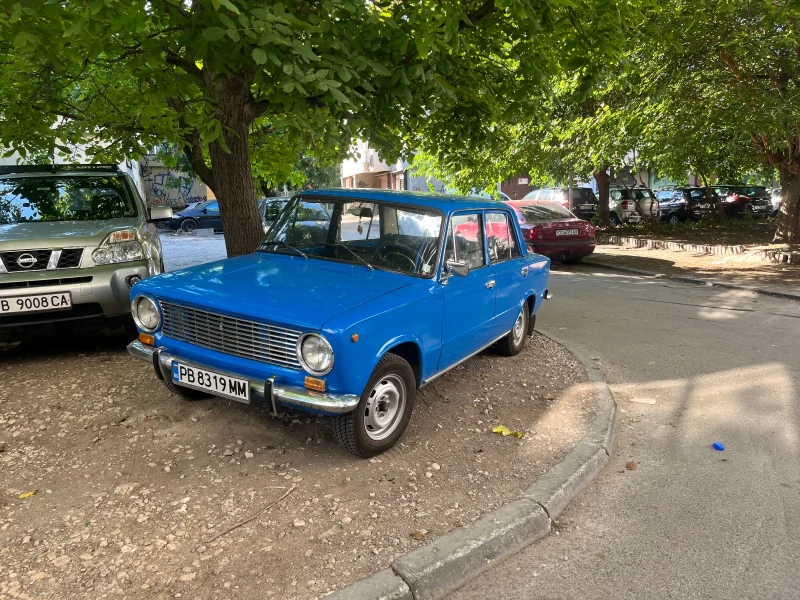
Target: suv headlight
146,313
120,246
315,354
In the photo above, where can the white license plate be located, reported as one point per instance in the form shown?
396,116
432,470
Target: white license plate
587,206
38,302
216,383
566,232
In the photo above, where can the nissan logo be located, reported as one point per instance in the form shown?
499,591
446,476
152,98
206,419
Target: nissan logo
26,261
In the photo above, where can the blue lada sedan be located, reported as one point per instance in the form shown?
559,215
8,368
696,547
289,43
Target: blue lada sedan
349,317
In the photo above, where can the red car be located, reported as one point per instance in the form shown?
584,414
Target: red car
552,230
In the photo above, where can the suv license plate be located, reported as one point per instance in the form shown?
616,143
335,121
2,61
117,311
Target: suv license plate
587,206
39,302
216,383
566,232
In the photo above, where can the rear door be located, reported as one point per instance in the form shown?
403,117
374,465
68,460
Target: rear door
509,269
469,302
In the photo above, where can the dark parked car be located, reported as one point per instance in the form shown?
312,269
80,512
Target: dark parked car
583,199
746,199
680,203
204,215
553,231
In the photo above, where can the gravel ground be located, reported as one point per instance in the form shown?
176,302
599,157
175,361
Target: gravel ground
741,268
135,488
183,250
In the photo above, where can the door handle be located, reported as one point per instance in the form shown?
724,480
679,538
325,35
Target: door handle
524,271
490,284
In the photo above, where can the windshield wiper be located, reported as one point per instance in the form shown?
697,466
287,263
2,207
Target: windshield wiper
346,247
285,245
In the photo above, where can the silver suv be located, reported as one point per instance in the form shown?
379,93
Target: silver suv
73,240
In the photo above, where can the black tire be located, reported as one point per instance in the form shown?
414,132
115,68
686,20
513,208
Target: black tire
161,265
352,430
190,225
574,260
188,394
674,219
514,342
613,220
131,331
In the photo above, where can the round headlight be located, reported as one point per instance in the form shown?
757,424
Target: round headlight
146,313
315,354
102,256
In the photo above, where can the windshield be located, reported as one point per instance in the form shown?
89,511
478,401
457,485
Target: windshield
624,194
541,212
32,199
372,234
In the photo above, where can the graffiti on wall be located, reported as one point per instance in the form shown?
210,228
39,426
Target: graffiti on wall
164,186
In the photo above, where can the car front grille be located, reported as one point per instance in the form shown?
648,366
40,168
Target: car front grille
70,258
44,282
238,337
33,260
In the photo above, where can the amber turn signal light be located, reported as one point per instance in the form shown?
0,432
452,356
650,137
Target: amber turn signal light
313,383
148,339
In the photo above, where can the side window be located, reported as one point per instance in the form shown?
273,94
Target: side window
213,207
500,238
464,241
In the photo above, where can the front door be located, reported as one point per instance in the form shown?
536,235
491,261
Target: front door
210,217
468,301
509,270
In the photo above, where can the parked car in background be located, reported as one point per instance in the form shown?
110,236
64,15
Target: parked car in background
350,324
205,215
553,231
739,200
679,203
622,205
584,200
74,239
310,215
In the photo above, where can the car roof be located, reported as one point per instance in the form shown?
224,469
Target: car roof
444,202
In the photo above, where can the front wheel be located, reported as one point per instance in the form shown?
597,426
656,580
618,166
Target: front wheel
674,219
514,342
384,411
190,225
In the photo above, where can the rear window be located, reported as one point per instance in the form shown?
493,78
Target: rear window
77,198
752,191
540,212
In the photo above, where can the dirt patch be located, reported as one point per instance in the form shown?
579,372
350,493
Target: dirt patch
743,269
132,484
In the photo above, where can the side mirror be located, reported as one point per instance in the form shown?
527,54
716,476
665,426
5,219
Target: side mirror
160,213
457,268
365,213
204,211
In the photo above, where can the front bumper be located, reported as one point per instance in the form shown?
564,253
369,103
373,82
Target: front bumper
267,390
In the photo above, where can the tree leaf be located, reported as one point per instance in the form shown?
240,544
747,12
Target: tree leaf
339,96
213,34
259,56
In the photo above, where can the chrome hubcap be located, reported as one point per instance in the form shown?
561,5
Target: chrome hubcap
517,333
385,407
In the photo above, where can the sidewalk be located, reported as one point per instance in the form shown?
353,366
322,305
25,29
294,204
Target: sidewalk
736,271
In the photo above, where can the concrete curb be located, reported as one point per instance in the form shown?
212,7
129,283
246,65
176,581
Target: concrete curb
437,569
775,256
708,282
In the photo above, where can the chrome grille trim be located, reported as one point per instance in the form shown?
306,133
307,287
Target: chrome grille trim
229,335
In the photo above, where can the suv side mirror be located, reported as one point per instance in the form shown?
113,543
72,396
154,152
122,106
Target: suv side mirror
160,213
457,268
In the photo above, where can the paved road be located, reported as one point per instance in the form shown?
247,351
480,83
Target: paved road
687,522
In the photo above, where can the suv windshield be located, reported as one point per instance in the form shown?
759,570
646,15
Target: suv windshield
372,234
77,198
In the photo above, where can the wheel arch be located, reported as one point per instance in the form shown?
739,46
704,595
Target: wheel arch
410,351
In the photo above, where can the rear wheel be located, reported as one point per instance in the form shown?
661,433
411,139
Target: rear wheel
674,219
384,411
189,225
514,342
613,220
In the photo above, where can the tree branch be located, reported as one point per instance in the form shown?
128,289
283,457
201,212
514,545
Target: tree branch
187,65
485,10
192,144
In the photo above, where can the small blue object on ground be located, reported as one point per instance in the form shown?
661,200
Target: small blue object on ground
718,446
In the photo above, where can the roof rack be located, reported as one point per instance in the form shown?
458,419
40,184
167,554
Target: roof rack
60,168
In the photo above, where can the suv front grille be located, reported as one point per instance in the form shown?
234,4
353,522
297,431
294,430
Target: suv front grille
238,337
70,258
34,260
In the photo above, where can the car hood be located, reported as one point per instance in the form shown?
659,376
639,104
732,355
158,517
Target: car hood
272,288
57,234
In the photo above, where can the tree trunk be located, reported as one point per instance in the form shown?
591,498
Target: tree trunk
233,179
603,180
788,231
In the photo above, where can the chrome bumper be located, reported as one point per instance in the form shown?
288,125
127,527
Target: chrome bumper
287,395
